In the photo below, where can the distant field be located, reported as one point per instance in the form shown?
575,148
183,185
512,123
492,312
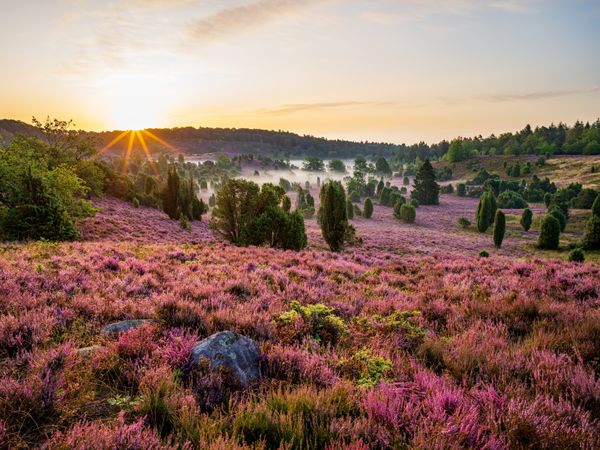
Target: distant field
560,169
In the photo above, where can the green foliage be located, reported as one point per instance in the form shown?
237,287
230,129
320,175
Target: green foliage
456,152
305,203
549,233
333,215
212,200
405,181
486,211
526,219
591,234
313,164
337,165
286,204
368,209
511,200
285,184
414,202
499,228
170,194
426,190
184,222
382,166
320,321
366,369
464,222
585,199
354,196
447,189
577,255
379,188
349,209
135,202
484,254
559,215
406,213
596,207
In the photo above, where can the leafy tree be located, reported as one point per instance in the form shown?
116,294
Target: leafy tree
368,209
235,206
333,216
456,152
526,219
426,190
313,164
549,233
337,165
591,234
499,228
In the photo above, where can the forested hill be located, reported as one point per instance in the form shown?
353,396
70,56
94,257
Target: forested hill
580,138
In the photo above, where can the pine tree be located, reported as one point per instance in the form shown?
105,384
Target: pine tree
426,190
170,194
499,228
368,209
333,215
485,211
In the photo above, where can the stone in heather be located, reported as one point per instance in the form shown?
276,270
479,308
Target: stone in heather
86,352
125,325
236,353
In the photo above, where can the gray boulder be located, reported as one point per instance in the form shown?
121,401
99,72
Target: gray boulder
125,325
236,353
87,352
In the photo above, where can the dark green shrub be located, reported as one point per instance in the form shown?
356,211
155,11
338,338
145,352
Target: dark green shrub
484,254
170,194
585,199
511,200
354,197
526,219
461,189
562,220
426,190
499,228
464,222
591,234
414,202
368,209
405,181
549,233
286,203
547,199
333,215
135,202
350,209
576,255
486,211
596,207
405,213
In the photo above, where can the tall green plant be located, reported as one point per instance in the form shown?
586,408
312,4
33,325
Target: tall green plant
333,216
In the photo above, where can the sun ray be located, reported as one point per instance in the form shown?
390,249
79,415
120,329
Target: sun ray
129,148
140,137
161,141
110,144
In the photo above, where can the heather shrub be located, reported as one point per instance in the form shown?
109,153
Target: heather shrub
591,234
368,209
526,219
549,233
176,313
559,215
317,321
499,228
576,255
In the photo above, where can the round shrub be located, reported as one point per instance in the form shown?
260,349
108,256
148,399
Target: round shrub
576,255
560,216
549,233
368,209
526,219
591,234
484,254
511,200
406,213
464,222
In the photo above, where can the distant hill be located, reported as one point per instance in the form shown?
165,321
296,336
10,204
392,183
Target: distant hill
198,141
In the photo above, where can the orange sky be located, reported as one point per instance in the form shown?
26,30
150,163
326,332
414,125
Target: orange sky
382,70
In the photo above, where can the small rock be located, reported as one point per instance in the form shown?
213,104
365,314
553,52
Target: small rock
239,354
86,352
125,325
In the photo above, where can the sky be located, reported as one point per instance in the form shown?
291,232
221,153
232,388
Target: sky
378,70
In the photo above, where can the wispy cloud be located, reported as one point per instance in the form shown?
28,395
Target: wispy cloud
246,16
293,108
538,95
